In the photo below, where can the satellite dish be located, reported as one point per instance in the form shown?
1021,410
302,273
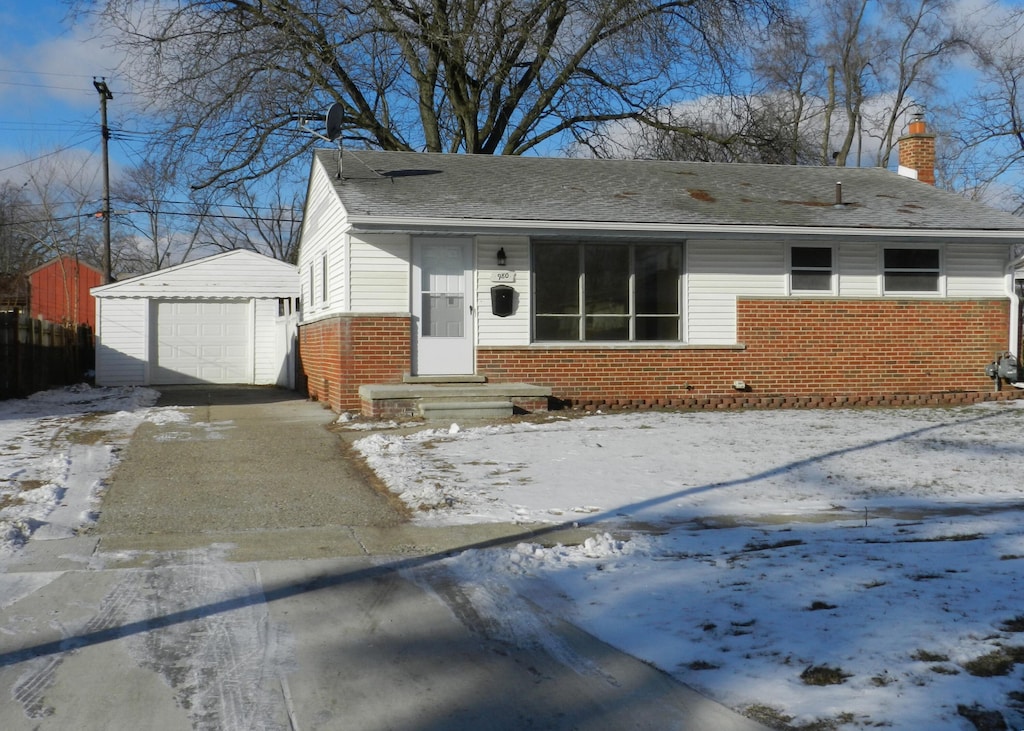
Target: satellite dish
335,116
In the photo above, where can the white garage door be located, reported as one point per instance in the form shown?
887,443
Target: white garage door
202,342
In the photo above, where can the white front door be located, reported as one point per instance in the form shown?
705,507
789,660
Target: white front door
442,307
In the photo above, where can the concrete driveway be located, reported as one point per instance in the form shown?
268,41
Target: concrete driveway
246,574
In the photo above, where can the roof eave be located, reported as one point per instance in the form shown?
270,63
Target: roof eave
409,224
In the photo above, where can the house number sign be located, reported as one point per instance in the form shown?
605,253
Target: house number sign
503,277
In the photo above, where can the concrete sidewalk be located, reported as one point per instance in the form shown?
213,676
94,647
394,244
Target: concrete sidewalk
246,575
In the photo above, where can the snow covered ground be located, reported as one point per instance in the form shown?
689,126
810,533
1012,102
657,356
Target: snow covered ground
57,448
879,551
882,549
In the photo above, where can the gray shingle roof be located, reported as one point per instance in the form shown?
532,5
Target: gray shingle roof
491,188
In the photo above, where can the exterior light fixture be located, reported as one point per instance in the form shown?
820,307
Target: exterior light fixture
501,257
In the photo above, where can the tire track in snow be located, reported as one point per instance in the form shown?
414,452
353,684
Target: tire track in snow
224,667
30,690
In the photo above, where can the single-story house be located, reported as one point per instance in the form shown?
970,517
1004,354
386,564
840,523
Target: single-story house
639,282
59,291
229,319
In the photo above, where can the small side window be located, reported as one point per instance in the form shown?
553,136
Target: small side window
323,279
810,269
911,270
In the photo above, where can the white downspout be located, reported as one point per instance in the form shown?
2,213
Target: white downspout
1013,337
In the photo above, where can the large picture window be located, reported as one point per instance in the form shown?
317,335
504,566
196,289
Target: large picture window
911,270
607,292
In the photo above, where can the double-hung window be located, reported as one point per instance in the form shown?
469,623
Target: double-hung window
811,269
607,292
911,270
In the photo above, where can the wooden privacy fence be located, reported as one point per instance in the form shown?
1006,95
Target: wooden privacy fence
36,354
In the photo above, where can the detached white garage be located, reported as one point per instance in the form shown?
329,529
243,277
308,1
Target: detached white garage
229,318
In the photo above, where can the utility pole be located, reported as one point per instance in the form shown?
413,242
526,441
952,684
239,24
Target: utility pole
104,92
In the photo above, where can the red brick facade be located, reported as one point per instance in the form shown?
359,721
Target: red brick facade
794,353
341,353
797,353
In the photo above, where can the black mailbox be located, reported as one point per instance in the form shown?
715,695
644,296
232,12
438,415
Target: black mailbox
502,300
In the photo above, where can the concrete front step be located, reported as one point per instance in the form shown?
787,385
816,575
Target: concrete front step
475,400
435,410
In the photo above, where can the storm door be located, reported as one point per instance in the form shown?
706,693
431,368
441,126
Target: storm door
442,307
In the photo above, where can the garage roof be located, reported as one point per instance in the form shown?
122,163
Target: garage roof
239,274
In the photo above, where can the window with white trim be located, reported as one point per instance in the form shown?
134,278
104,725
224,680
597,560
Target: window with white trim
607,292
911,270
323,279
810,269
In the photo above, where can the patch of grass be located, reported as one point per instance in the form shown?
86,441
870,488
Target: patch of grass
768,716
996,663
823,675
817,606
1016,624
944,670
87,437
753,546
738,629
983,719
702,665
926,656
951,538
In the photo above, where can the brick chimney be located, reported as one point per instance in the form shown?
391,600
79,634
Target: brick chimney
917,151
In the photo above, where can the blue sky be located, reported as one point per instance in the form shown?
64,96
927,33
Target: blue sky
47,98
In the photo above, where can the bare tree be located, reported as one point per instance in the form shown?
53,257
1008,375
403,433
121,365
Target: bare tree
20,251
167,225
991,132
791,75
65,209
266,220
917,41
849,47
759,129
496,76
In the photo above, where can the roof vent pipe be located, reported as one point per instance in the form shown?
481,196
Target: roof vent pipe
839,194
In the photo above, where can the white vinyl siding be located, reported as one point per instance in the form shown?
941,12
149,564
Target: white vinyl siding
323,238
514,329
717,272
127,353
859,275
976,271
270,344
122,341
380,273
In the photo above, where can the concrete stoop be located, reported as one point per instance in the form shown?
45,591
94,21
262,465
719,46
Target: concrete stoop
465,398
431,410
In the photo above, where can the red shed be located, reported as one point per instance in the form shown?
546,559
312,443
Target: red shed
59,291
